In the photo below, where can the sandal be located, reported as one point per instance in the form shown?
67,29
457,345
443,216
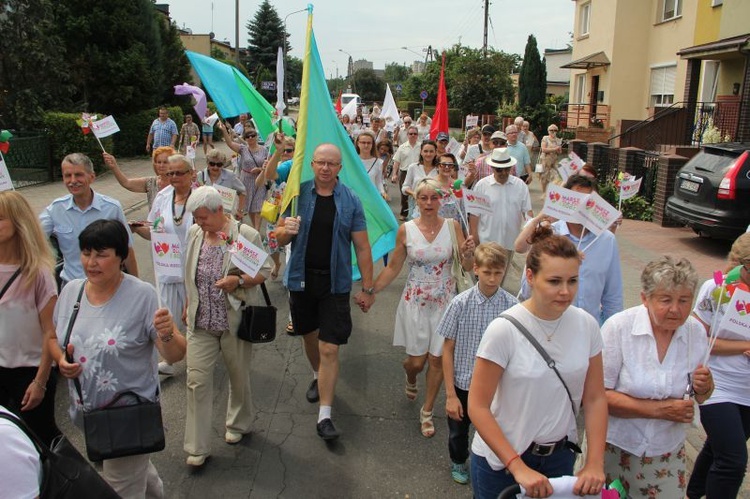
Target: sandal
411,389
290,328
427,426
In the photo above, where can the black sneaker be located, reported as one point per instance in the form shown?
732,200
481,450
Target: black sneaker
312,392
327,431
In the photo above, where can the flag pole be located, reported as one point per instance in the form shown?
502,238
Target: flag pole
583,232
91,126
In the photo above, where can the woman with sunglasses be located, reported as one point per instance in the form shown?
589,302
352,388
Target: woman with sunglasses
452,207
251,158
275,174
170,215
150,185
215,174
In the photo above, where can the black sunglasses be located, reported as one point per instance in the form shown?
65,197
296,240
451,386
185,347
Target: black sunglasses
289,150
211,163
251,135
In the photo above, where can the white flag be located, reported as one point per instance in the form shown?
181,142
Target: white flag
105,127
350,109
389,112
629,188
280,106
6,184
597,214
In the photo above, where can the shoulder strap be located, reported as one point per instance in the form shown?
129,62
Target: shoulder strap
10,281
68,332
40,446
539,348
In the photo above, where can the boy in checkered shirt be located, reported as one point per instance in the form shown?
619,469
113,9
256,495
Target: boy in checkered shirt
463,325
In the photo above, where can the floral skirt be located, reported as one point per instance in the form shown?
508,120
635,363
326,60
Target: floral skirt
659,476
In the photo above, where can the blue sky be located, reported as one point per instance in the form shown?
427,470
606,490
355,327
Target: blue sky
376,31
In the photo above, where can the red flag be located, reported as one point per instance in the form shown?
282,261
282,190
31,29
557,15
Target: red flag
440,118
338,104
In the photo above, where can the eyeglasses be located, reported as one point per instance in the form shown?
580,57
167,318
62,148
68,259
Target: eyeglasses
412,133
443,140
289,150
177,173
511,133
328,164
746,268
448,165
497,141
211,163
251,136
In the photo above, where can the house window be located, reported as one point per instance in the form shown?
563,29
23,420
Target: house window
662,86
583,19
580,88
671,9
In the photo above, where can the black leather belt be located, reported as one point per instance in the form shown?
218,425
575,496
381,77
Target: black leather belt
544,450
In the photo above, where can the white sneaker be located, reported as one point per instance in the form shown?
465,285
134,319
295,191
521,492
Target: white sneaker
166,369
232,437
196,461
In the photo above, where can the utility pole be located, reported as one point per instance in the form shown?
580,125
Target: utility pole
486,22
237,32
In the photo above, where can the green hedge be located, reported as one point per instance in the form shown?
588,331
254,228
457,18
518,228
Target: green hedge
454,115
66,137
131,139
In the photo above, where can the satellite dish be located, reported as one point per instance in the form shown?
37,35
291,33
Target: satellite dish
211,35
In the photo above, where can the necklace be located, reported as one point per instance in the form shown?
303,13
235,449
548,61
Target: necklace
543,327
175,218
424,228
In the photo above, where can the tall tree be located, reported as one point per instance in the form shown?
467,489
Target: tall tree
368,85
396,73
532,81
266,35
175,62
30,43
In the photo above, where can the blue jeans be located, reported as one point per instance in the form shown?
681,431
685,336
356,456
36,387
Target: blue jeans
488,483
720,465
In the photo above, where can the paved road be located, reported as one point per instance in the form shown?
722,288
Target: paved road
381,453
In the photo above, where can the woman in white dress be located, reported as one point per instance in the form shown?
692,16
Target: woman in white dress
426,167
365,145
425,244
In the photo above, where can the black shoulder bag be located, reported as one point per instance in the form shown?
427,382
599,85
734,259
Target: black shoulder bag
120,431
65,473
539,348
10,281
258,324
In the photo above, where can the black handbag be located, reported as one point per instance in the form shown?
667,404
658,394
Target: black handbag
118,431
65,473
258,324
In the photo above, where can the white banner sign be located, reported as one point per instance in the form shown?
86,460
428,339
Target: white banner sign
629,188
366,119
597,215
211,120
471,121
167,251
736,319
6,184
477,204
247,256
453,147
563,204
105,127
576,163
228,197
565,170
189,152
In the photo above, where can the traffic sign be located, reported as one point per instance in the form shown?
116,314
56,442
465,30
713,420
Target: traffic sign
399,88
423,95
268,85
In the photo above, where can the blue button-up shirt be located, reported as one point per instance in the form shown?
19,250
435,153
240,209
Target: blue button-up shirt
66,220
350,217
163,132
599,278
465,321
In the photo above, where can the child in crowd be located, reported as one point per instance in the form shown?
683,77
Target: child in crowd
463,325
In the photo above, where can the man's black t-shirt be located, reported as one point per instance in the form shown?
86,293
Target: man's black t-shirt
320,239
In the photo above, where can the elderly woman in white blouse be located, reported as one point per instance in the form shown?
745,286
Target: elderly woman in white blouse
652,372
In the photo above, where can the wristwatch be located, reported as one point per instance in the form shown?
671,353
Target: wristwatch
368,291
241,282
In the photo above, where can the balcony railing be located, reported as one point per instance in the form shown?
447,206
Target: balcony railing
577,115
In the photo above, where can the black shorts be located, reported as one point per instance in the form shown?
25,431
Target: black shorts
316,308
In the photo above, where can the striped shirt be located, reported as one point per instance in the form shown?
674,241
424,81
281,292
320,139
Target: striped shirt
465,321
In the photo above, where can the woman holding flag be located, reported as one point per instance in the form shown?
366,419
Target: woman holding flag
150,185
720,466
251,159
213,283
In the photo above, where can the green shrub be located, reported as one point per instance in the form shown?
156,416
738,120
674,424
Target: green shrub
409,106
66,137
454,116
131,139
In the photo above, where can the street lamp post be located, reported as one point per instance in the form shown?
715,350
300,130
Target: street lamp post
283,49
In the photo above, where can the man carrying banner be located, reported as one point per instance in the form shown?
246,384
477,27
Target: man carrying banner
510,201
600,278
67,216
319,273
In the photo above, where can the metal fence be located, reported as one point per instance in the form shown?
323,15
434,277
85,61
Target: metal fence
28,159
